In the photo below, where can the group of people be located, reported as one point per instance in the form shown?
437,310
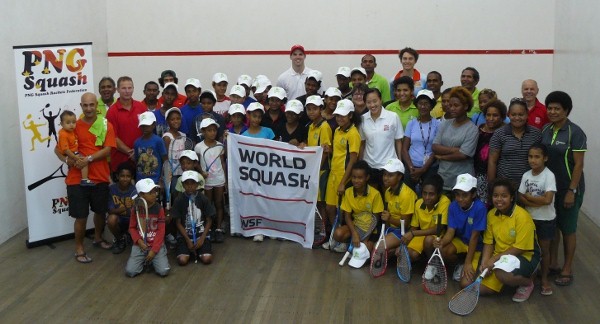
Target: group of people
505,181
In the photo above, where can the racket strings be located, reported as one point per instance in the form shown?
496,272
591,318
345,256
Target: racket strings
438,283
403,263
379,261
464,302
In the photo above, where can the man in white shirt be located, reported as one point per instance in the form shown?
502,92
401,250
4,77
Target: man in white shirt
292,80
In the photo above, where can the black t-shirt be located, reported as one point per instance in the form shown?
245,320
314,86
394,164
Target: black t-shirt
202,209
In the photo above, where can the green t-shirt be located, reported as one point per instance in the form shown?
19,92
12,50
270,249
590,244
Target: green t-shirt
405,115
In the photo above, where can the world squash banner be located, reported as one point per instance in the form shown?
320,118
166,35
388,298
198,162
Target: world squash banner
273,188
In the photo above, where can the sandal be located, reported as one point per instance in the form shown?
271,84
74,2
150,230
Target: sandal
83,258
102,244
546,291
564,280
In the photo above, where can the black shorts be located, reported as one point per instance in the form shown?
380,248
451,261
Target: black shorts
182,248
82,199
545,230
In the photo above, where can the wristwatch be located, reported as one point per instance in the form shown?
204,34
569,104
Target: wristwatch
90,159
573,190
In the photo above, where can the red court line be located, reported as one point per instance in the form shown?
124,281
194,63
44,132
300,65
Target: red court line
273,198
528,51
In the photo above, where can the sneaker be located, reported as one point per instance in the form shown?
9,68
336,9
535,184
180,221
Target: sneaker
325,246
430,272
171,239
119,245
458,272
219,236
523,293
341,248
258,238
86,183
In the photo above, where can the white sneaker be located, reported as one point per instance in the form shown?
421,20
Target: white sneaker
258,238
341,248
430,272
325,246
457,272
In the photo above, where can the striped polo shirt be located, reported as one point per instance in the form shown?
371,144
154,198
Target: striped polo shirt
512,163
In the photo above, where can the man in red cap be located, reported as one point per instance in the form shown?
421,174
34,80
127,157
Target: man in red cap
292,80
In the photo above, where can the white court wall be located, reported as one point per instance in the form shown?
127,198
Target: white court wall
31,22
576,71
272,25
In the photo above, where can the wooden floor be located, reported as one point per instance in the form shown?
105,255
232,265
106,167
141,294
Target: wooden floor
271,282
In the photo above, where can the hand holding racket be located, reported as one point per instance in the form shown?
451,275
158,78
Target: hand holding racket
141,214
362,234
403,265
465,301
435,278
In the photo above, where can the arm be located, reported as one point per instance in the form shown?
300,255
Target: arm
492,164
361,151
440,149
530,201
486,255
448,237
398,145
468,269
103,153
578,156
121,147
354,237
341,186
404,153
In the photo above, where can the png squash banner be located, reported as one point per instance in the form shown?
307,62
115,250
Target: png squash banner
50,80
273,188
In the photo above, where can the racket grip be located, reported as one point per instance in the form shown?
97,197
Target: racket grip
483,273
343,261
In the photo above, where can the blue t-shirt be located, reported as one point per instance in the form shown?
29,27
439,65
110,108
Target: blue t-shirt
232,130
464,222
117,197
248,101
265,132
189,114
479,119
162,127
421,139
148,157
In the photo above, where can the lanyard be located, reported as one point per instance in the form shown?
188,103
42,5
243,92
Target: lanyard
425,142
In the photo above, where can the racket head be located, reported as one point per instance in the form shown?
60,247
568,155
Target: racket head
332,242
403,265
439,282
465,301
167,177
193,219
379,257
141,213
365,230
217,148
320,233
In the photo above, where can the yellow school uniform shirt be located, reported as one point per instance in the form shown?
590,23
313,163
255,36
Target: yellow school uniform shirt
401,204
425,218
371,202
344,142
506,231
319,134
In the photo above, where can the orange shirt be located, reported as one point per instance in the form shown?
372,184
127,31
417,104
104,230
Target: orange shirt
179,101
98,170
67,141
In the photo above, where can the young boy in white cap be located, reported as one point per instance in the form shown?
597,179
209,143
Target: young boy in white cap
169,96
330,100
237,116
208,99
219,84
192,108
212,168
237,94
467,217
246,81
343,81
260,87
275,116
149,150
194,214
358,75
152,248
292,131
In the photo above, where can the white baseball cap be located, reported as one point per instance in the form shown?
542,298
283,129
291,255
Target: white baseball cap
245,80
507,263
219,77
193,82
261,83
189,154
208,93
294,106
314,100
237,90
145,185
255,106
333,92
146,118
236,108
426,93
360,255
343,70
171,84
359,69
190,175
465,182
394,165
317,75
173,109
277,92
207,122
344,107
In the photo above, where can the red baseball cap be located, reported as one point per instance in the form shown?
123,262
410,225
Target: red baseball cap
297,47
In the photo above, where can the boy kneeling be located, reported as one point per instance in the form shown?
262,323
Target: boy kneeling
193,214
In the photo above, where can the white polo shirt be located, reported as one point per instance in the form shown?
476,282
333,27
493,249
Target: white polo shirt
293,83
380,136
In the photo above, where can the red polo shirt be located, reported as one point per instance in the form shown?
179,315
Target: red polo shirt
179,101
125,123
538,115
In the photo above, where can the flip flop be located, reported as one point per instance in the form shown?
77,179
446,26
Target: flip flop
83,258
546,291
564,280
102,244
